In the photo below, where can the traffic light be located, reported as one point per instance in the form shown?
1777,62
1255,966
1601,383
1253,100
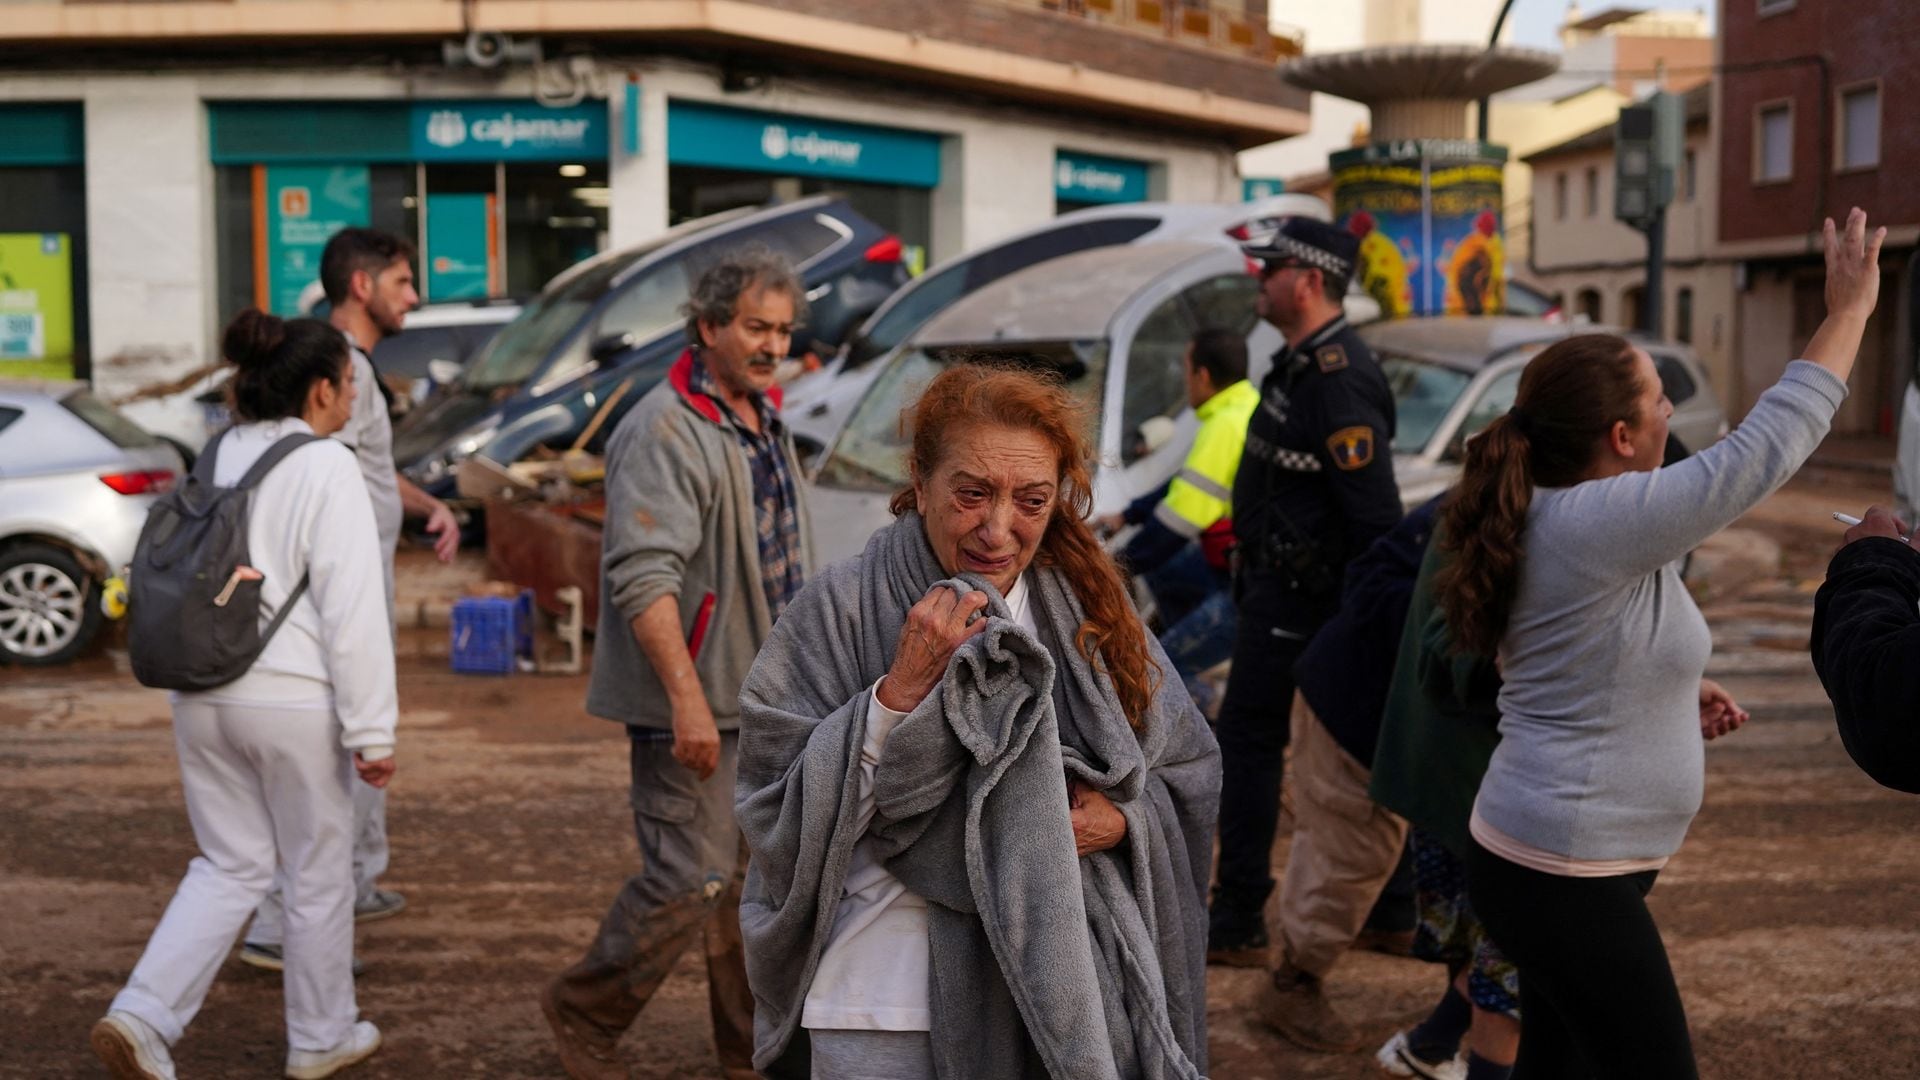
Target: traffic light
1647,146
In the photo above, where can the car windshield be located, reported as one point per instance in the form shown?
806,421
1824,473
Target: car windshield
871,453
516,352
1423,394
101,417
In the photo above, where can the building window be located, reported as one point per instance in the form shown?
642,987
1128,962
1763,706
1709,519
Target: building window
1773,142
1859,124
1683,316
1633,307
1586,305
1593,191
1560,197
1773,7
1689,175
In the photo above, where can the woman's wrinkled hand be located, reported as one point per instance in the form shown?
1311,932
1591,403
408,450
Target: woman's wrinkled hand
1097,823
936,627
1719,713
1853,265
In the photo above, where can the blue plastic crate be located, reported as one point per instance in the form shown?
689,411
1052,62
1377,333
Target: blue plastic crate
489,632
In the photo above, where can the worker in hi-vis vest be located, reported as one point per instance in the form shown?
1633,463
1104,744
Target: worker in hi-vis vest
1186,527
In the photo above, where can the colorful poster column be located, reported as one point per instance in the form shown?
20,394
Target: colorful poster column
36,305
1429,216
300,208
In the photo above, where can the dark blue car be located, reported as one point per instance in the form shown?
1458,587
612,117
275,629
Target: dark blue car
614,321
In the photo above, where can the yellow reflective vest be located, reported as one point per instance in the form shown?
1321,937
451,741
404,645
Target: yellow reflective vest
1201,496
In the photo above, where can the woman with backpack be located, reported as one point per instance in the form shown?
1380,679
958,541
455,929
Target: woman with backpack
1565,537
267,759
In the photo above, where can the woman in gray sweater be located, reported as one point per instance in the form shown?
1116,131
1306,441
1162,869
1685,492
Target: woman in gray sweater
1566,536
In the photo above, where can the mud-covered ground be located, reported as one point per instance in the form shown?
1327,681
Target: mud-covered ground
1792,914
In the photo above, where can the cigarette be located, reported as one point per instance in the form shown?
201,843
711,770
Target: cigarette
1845,519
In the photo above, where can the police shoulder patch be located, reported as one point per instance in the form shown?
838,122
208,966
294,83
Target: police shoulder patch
1331,357
1351,448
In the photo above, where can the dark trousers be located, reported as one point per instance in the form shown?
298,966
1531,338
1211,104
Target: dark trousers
1253,729
693,860
1597,996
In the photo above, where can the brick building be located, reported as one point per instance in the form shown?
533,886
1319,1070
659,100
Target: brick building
1813,114
149,148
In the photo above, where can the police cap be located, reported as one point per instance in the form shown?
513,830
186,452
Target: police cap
1305,242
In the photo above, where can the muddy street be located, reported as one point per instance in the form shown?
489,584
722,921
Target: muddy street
1790,912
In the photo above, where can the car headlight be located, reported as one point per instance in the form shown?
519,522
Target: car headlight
432,471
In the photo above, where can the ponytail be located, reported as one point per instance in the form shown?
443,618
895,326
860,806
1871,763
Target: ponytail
1570,396
1484,521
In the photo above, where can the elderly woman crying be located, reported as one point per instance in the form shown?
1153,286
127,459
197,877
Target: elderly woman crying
980,811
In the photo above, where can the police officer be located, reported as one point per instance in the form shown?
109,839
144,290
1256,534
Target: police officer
1315,488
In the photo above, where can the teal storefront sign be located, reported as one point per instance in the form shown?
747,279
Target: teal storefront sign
508,131
726,138
1260,187
41,134
459,228
1088,178
306,205
383,132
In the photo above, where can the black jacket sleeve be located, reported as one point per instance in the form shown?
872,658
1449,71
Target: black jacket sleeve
1356,455
1151,547
1866,649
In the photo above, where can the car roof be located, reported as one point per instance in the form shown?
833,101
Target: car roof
463,313
28,393
680,234
1469,342
1072,298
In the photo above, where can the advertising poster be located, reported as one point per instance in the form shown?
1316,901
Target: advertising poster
461,247
1429,217
304,206
36,305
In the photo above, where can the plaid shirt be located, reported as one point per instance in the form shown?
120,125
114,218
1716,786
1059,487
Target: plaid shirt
775,506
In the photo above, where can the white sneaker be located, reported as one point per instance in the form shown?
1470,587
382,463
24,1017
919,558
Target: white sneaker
1399,1060
361,1042
130,1047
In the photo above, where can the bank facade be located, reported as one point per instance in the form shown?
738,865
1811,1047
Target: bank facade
171,189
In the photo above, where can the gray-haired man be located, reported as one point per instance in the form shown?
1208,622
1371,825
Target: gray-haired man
706,541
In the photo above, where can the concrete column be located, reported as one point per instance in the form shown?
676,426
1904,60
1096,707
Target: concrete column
1006,183
151,271
637,211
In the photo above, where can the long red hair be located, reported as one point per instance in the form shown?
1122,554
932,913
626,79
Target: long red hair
1112,638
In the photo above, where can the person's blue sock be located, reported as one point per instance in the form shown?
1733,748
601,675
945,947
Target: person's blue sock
1479,1068
1437,1038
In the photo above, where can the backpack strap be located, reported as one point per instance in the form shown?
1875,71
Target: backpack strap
285,610
279,450
203,465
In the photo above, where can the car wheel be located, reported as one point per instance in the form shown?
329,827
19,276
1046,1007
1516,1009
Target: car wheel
49,605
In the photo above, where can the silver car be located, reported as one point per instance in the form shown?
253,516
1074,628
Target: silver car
76,480
1453,376
1113,322
818,403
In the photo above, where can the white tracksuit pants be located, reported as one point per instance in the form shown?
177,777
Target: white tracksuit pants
264,786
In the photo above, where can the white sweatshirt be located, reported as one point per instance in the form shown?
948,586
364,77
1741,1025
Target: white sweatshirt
873,973
311,515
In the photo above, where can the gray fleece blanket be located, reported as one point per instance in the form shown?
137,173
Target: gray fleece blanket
1042,963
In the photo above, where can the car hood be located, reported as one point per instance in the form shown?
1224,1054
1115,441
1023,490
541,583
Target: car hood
844,520
1420,480
429,429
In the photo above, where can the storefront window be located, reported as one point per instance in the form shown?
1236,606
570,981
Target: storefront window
43,249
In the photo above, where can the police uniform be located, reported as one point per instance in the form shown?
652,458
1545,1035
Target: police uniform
1314,489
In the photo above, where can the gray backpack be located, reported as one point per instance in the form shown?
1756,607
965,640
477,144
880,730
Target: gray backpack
193,621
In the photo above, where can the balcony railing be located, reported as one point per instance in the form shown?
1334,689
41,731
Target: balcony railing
1232,26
